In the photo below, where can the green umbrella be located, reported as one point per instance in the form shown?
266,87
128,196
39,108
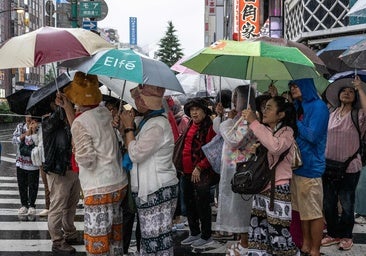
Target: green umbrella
126,64
252,60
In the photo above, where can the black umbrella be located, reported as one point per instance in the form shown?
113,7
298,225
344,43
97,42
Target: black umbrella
39,101
18,101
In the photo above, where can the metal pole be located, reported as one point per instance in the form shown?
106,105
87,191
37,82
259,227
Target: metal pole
74,13
7,29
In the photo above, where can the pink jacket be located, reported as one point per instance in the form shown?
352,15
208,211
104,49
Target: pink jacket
276,144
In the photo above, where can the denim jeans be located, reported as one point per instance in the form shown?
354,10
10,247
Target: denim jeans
344,191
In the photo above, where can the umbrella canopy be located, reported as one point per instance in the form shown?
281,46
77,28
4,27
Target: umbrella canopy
282,85
177,67
358,9
349,74
193,83
126,64
319,64
355,56
39,101
335,48
18,101
252,61
49,44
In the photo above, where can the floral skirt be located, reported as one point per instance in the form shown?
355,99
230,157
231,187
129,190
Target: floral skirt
103,224
156,217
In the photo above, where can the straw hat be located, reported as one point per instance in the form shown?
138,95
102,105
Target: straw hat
84,90
333,90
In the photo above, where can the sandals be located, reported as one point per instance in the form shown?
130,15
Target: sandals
236,249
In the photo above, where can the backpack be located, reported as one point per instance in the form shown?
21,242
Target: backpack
362,148
252,176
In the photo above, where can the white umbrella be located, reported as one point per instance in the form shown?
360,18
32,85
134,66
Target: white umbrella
193,83
358,9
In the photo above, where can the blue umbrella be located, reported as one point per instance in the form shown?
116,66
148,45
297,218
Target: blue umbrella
330,54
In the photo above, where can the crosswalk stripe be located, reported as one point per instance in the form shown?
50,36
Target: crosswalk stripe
15,185
32,225
31,245
16,192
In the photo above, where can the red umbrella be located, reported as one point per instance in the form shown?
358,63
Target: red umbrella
49,44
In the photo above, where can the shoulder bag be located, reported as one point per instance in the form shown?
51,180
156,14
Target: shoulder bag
252,176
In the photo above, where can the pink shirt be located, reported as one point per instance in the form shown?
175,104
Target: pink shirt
343,138
276,144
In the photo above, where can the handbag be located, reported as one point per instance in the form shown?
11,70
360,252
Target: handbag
335,170
252,176
24,149
296,159
213,152
213,149
177,154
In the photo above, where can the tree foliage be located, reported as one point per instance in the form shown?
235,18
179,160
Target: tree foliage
170,50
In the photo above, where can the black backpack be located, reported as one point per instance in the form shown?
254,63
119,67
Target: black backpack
362,148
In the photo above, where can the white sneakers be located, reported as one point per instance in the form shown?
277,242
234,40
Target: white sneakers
23,210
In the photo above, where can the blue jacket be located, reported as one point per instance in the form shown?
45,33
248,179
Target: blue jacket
313,127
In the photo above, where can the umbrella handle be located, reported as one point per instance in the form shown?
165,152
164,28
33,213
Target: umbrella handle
55,76
121,102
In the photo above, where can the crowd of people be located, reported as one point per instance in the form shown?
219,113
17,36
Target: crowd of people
149,163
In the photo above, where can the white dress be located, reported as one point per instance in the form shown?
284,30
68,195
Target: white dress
233,213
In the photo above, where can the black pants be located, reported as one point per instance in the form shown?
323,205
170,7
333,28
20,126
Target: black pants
344,192
28,182
128,220
197,201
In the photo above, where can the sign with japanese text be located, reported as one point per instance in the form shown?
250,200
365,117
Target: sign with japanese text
133,31
211,7
90,9
247,17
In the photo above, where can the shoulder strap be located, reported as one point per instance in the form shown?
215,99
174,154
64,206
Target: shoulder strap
354,117
145,119
273,178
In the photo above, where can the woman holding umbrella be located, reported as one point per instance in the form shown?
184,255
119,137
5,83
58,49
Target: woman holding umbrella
154,182
346,95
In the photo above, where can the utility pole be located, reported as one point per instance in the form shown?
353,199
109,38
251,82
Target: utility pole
74,13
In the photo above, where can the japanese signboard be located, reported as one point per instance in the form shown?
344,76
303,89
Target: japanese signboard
133,31
247,17
90,9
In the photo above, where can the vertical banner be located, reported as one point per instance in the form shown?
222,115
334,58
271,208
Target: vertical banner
246,22
133,31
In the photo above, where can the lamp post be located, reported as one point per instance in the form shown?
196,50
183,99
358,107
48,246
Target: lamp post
7,78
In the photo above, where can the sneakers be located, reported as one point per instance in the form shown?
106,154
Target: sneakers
360,220
327,241
23,210
345,244
202,243
62,247
31,213
44,213
190,239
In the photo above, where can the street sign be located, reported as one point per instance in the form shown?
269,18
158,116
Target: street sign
133,31
89,25
90,9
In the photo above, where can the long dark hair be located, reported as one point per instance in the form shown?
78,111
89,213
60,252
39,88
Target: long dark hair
283,105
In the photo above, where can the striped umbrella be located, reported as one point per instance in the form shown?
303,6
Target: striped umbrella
49,44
